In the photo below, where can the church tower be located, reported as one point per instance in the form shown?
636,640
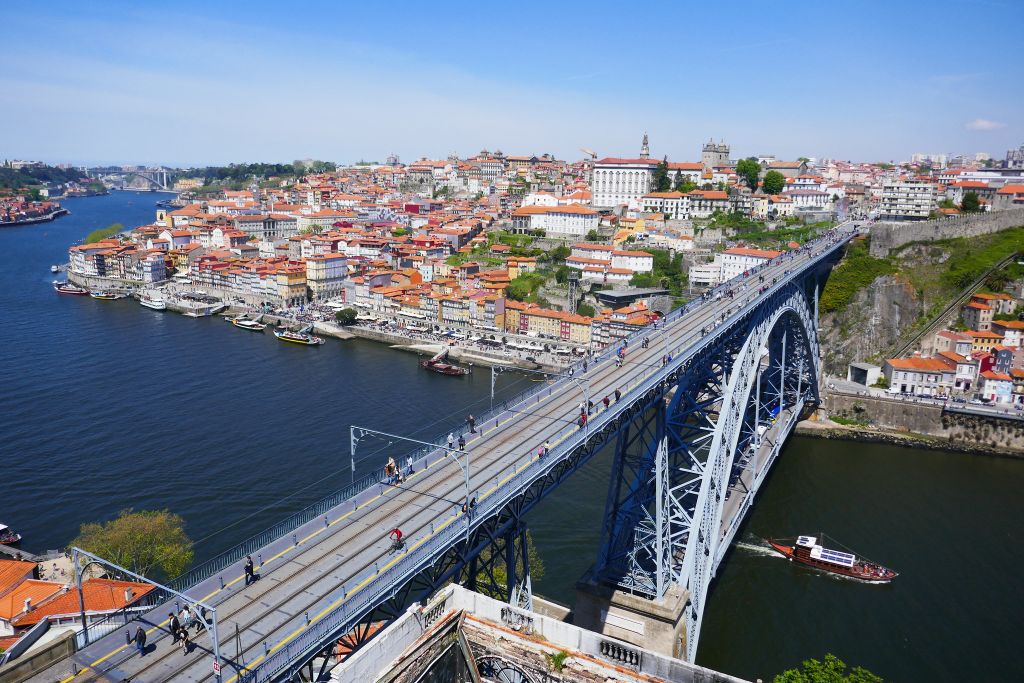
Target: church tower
645,149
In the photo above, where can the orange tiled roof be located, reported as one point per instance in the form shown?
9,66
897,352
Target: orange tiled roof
12,572
100,595
921,364
37,591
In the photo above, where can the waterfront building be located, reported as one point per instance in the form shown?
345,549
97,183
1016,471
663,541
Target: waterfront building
918,376
324,275
996,387
1012,331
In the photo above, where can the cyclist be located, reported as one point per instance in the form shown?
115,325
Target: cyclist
396,538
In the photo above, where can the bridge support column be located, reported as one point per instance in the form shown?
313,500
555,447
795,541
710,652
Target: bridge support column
653,624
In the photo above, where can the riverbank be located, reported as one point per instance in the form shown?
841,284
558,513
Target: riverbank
917,425
53,215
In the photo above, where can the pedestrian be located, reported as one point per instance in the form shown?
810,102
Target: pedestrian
617,395
547,447
605,401
472,424
451,441
590,407
139,640
186,618
580,407
582,421
540,452
185,644
174,626
249,570
584,365
408,465
462,442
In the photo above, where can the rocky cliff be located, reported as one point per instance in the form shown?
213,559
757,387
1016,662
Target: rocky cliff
870,324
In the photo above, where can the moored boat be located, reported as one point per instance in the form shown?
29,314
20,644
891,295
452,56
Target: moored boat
54,269
298,337
7,536
438,365
68,288
807,551
154,302
106,295
246,324
444,368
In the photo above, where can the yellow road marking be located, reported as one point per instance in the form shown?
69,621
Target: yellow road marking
345,516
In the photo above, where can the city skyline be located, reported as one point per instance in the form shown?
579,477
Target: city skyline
119,84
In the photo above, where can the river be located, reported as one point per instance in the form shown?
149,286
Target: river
108,405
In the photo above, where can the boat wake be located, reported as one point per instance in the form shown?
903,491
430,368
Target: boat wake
758,549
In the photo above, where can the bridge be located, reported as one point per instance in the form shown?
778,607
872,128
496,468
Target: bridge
703,409
158,178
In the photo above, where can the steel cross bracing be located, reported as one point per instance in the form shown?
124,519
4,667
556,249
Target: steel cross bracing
334,566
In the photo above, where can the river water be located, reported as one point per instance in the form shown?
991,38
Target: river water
107,405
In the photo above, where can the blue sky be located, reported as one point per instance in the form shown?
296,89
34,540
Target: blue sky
195,83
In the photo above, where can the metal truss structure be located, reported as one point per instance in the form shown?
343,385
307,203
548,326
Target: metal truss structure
692,446
685,474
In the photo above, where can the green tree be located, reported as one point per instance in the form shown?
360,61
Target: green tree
803,160
150,542
346,316
773,182
970,203
832,670
586,309
103,233
660,181
34,194
685,185
947,203
593,236
749,170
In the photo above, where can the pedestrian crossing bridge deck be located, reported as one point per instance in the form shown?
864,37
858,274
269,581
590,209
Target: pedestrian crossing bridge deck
335,572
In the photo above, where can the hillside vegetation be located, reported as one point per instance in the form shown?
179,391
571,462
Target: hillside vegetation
871,306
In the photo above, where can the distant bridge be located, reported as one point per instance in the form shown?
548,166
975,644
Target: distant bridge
703,413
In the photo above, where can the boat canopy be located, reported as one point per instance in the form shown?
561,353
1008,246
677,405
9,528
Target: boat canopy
833,556
806,541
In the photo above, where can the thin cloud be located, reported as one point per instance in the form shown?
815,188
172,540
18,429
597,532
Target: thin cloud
984,124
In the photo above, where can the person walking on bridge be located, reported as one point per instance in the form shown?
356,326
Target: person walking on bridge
139,639
472,423
175,627
249,570
605,401
618,395
462,442
451,441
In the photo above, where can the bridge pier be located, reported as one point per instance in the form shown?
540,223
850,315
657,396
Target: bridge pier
657,625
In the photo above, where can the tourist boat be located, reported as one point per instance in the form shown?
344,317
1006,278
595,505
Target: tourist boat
106,296
68,288
8,537
298,337
54,269
248,324
438,365
156,303
806,550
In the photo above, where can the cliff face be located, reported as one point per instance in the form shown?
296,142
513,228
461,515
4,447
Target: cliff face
871,324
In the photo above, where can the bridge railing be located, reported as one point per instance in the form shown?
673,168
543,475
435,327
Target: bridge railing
375,583
427,455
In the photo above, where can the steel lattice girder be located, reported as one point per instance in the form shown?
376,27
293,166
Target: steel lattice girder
784,324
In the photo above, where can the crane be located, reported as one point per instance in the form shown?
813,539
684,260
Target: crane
592,153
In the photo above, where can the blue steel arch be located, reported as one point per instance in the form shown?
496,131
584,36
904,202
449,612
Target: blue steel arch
677,466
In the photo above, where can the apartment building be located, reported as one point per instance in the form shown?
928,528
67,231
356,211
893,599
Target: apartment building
907,200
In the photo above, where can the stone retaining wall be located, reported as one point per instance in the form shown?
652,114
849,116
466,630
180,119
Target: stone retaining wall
923,424
888,236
